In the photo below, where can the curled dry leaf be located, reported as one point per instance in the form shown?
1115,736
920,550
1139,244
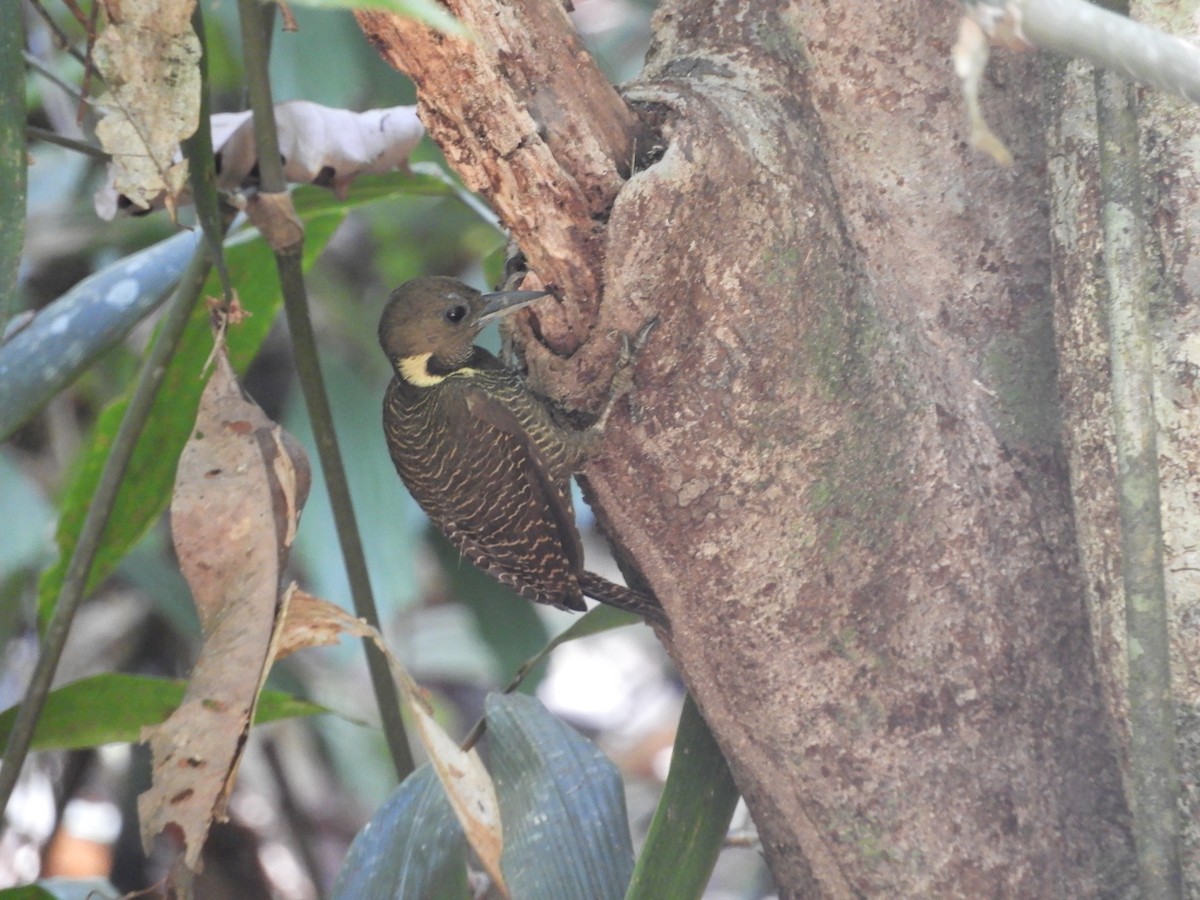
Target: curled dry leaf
325,146
239,489
319,144
312,622
149,56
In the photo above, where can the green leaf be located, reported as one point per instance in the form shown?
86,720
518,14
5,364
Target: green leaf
596,620
26,892
68,335
692,819
562,805
146,489
412,849
63,889
114,707
428,11
423,181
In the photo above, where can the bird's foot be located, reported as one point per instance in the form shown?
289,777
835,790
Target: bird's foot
622,383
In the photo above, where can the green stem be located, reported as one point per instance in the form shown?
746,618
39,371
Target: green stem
1153,749
202,169
255,21
12,162
689,826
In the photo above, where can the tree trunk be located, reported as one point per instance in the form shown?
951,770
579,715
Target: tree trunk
848,484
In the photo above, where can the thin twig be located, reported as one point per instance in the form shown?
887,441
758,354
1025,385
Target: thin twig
296,819
255,20
63,38
53,137
38,66
202,171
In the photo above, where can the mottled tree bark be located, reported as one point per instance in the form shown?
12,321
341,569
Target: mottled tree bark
848,485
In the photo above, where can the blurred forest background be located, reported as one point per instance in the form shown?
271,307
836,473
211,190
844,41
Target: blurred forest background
307,785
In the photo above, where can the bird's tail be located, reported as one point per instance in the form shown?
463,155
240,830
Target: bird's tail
644,605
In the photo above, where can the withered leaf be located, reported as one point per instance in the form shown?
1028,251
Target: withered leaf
320,145
149,56
311,622
239,489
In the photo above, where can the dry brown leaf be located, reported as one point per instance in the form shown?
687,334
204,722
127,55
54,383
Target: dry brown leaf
149,56
326,146
320,145
312,622
468,785
239,489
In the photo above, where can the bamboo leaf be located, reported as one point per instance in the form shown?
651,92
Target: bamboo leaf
412,849
114,707
692,818
562,805
428,11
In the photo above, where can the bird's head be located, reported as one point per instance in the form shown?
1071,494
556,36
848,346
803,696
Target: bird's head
429,325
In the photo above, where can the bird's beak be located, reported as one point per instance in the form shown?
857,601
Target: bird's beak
501,303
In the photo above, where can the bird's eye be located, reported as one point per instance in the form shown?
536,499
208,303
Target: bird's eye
455,314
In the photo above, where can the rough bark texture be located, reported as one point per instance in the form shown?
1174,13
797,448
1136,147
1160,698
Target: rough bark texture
1171,163
849,485
526,118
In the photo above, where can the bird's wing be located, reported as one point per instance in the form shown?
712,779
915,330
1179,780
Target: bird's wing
551,493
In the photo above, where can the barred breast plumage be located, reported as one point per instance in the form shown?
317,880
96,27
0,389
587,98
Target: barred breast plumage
483,455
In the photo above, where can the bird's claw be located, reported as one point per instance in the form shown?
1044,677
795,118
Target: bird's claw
622,383
630,348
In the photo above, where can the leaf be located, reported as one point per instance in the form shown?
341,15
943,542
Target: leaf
312,622
114,707
412,849
692,818
26,892
240,486
149,56
323,145
146,488
596,620
465,781
566,831
67,336
468,786
428,11
63,889
320,145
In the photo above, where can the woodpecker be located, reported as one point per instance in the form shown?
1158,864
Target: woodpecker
489,460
